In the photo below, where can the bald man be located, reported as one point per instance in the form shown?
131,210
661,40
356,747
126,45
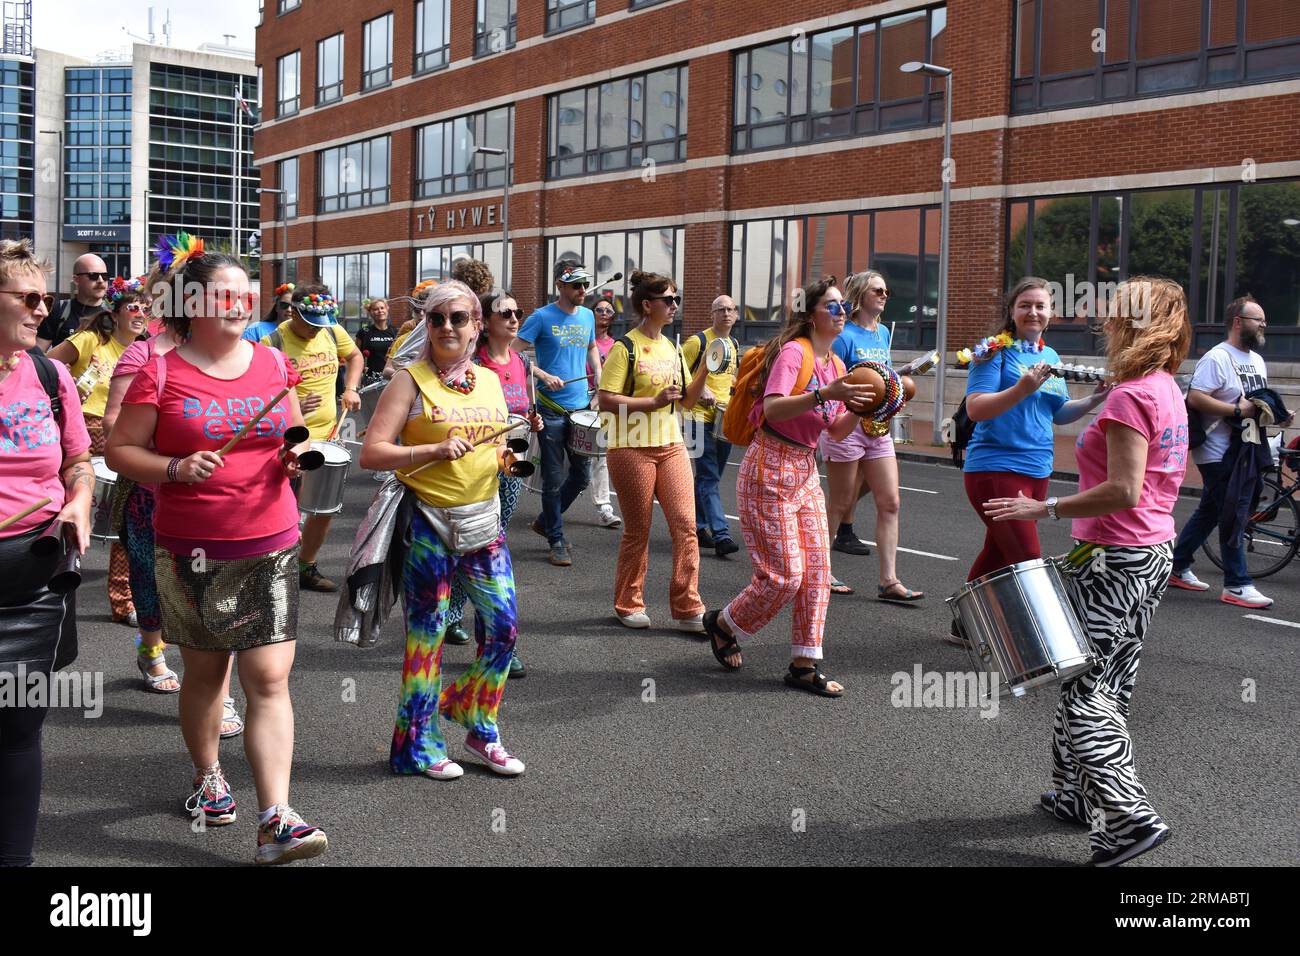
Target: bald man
89,283
709,453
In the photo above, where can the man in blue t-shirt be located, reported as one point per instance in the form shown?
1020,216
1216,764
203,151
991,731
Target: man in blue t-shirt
563,338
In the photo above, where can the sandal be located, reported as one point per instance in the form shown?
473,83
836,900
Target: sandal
729,646
813,685
230,718
839,587
907,597
146,658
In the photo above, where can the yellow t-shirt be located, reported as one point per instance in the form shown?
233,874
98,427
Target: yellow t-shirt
658,365
719,383
317,361
446,414
103,356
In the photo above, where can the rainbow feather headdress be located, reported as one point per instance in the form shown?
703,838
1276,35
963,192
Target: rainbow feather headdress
174,251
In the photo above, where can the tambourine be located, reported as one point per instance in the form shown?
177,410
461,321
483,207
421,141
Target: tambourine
1078,373
719,356
920,366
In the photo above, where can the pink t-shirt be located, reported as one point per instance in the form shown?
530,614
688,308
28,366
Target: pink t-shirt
133,359
246,508
514,379
1153,407
32,447
603,345
808,427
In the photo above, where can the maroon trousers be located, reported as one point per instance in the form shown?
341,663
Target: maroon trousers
1005,542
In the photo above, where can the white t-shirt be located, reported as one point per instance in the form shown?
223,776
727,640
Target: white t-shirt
1224,373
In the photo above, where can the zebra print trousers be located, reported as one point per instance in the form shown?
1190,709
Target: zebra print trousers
1094,771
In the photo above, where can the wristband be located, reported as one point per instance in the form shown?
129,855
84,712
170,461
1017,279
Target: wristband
817,394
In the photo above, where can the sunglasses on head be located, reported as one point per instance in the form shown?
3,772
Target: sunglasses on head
33,300
667,299
100,276
457,320
510,313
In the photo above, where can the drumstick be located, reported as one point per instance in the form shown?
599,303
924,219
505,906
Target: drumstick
253,424
482,441
338,424
30,509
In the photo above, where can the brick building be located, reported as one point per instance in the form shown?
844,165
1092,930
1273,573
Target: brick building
745,146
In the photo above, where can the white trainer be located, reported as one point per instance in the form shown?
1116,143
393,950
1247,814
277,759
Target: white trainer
635,619
1245,597
607,518
1187,581
691,625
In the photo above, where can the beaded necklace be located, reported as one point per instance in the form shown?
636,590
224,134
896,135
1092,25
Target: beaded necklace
465,385
10,362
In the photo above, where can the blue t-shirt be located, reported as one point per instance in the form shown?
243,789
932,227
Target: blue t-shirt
856,344
1020,439
257,331
561,342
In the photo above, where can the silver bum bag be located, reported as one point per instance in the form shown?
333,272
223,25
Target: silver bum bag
465,528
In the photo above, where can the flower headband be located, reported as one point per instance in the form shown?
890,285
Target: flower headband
318,303
174,252
120,288
283,288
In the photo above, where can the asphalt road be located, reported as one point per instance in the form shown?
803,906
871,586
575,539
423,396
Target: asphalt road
712,767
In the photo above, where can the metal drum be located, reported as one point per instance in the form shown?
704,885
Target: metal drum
321,491
101,503
585,437
720,412
900,429
1025,624
720,356
369,402
522,429
533,482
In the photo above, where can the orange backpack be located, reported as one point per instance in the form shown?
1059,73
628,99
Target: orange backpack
736,426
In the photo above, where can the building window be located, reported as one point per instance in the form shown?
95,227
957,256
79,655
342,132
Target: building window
435,262
432,34
445,157
288,200
642,4
1217,241
287,5
329,69
353,279
494,26
771,258
353,176
650,250
1068,53
618,124
287,88
566,14
839,83
18,149
377,69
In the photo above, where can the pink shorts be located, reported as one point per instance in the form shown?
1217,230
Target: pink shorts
857,447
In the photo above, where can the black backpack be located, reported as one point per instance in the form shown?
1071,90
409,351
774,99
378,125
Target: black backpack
963,428
49,376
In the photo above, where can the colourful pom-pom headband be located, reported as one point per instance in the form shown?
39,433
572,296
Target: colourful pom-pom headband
318,303
120,288
283,288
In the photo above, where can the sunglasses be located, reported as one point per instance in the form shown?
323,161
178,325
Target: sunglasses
226,299
457,320
883,292
33,300
284,306
511,314
584,286
667,299
604,311
135,308
100,276
836,309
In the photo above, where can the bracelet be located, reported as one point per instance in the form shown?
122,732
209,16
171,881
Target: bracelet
817,394
173,467
412,456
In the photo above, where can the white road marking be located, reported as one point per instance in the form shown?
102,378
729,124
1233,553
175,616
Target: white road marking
1269,620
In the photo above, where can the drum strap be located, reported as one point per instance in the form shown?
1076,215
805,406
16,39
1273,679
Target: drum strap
1083,554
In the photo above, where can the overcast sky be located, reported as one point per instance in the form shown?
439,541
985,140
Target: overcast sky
87,27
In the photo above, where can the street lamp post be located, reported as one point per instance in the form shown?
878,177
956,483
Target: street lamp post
284,232
58,217
505,212
941,324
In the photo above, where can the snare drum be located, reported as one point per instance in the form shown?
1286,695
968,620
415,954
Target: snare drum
586,437
321,491
533,482
719,356
369,402
719,413
101,503
1025,624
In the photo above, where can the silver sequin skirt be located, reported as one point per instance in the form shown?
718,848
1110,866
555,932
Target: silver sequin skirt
228,605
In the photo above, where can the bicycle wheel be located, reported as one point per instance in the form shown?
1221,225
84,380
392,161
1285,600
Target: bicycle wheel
1272,534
